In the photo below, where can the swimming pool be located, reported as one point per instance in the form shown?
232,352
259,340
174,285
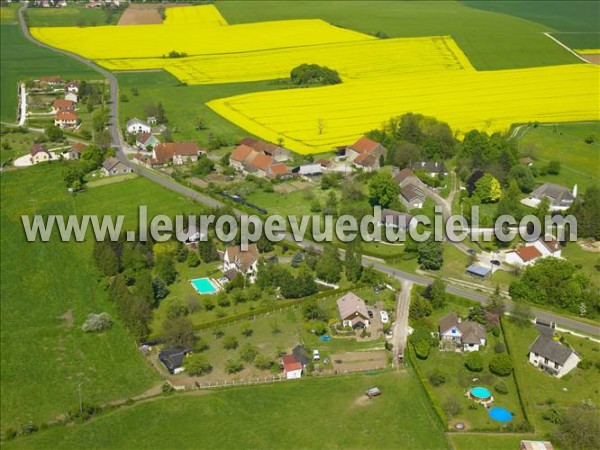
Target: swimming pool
481,393
204,286
500,414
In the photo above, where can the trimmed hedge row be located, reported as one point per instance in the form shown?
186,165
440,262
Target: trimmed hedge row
441,415
515,377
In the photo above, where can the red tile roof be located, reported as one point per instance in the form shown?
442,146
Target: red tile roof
78,147
279,169
403,175
262,162
66,115
528,253
60,103
551,243
259,146
37,148
364,144
290,363
241,152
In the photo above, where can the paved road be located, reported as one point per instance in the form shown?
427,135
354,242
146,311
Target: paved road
118,143
400,331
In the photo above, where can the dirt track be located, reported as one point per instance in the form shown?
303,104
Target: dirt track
353,361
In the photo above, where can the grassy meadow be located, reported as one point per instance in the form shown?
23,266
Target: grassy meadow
70,16
326,413
580,162
20,59
48,289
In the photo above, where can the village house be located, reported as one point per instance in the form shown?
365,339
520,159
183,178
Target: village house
75,151
250,161
466,334
72,86
53,82
532,251
145,141
308,170
552,357
112,166
66,119
173,358
432,168
536,445
176,152
396,219
39,153
561,198
353,311
71,96
366,154
292,368
236,260
135,126
278,153
62,105
411,192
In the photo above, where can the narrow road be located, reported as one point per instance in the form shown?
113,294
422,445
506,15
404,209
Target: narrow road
118,142
22,104
400,333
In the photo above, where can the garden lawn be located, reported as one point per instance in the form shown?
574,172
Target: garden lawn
580,162
19,144
490,441
313,413
587,260
539,388
49,289
20,59
491,41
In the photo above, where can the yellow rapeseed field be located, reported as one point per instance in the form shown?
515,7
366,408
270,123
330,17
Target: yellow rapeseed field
204,15
147,41
353,60
318,119
382,78
588,51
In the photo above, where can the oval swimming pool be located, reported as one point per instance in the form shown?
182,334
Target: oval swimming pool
481,393
500,414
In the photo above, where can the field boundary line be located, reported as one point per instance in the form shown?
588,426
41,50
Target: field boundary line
566,47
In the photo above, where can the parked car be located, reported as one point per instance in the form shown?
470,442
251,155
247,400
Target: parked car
370,314
384,316
316,355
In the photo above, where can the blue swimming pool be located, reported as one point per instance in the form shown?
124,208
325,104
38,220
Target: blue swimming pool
481,393
204,286
500,414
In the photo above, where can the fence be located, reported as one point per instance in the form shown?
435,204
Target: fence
273,379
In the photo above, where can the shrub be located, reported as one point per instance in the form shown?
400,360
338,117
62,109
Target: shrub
307,74
29,428
501,365
197,365
230,343
233,366
437,378
248,352
500,347
175,307
474,362
10,434
501,387
585,364
451,406
422,349
263,362
554,415
97,323
167,388
201,346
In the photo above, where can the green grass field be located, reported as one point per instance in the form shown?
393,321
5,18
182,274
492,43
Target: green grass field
183,104
48,290
329,413
580,162
491,41
20,59
71,16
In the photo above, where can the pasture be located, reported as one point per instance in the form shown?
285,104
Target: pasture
73,15
323,413
580,162
49,289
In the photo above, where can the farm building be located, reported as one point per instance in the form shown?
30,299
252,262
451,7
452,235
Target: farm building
365,154
173,358
292,368
135,126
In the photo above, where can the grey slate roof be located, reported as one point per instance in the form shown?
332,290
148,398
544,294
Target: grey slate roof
549,348
172,358
429,166
559,195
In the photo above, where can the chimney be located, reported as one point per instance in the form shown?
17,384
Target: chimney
575,191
